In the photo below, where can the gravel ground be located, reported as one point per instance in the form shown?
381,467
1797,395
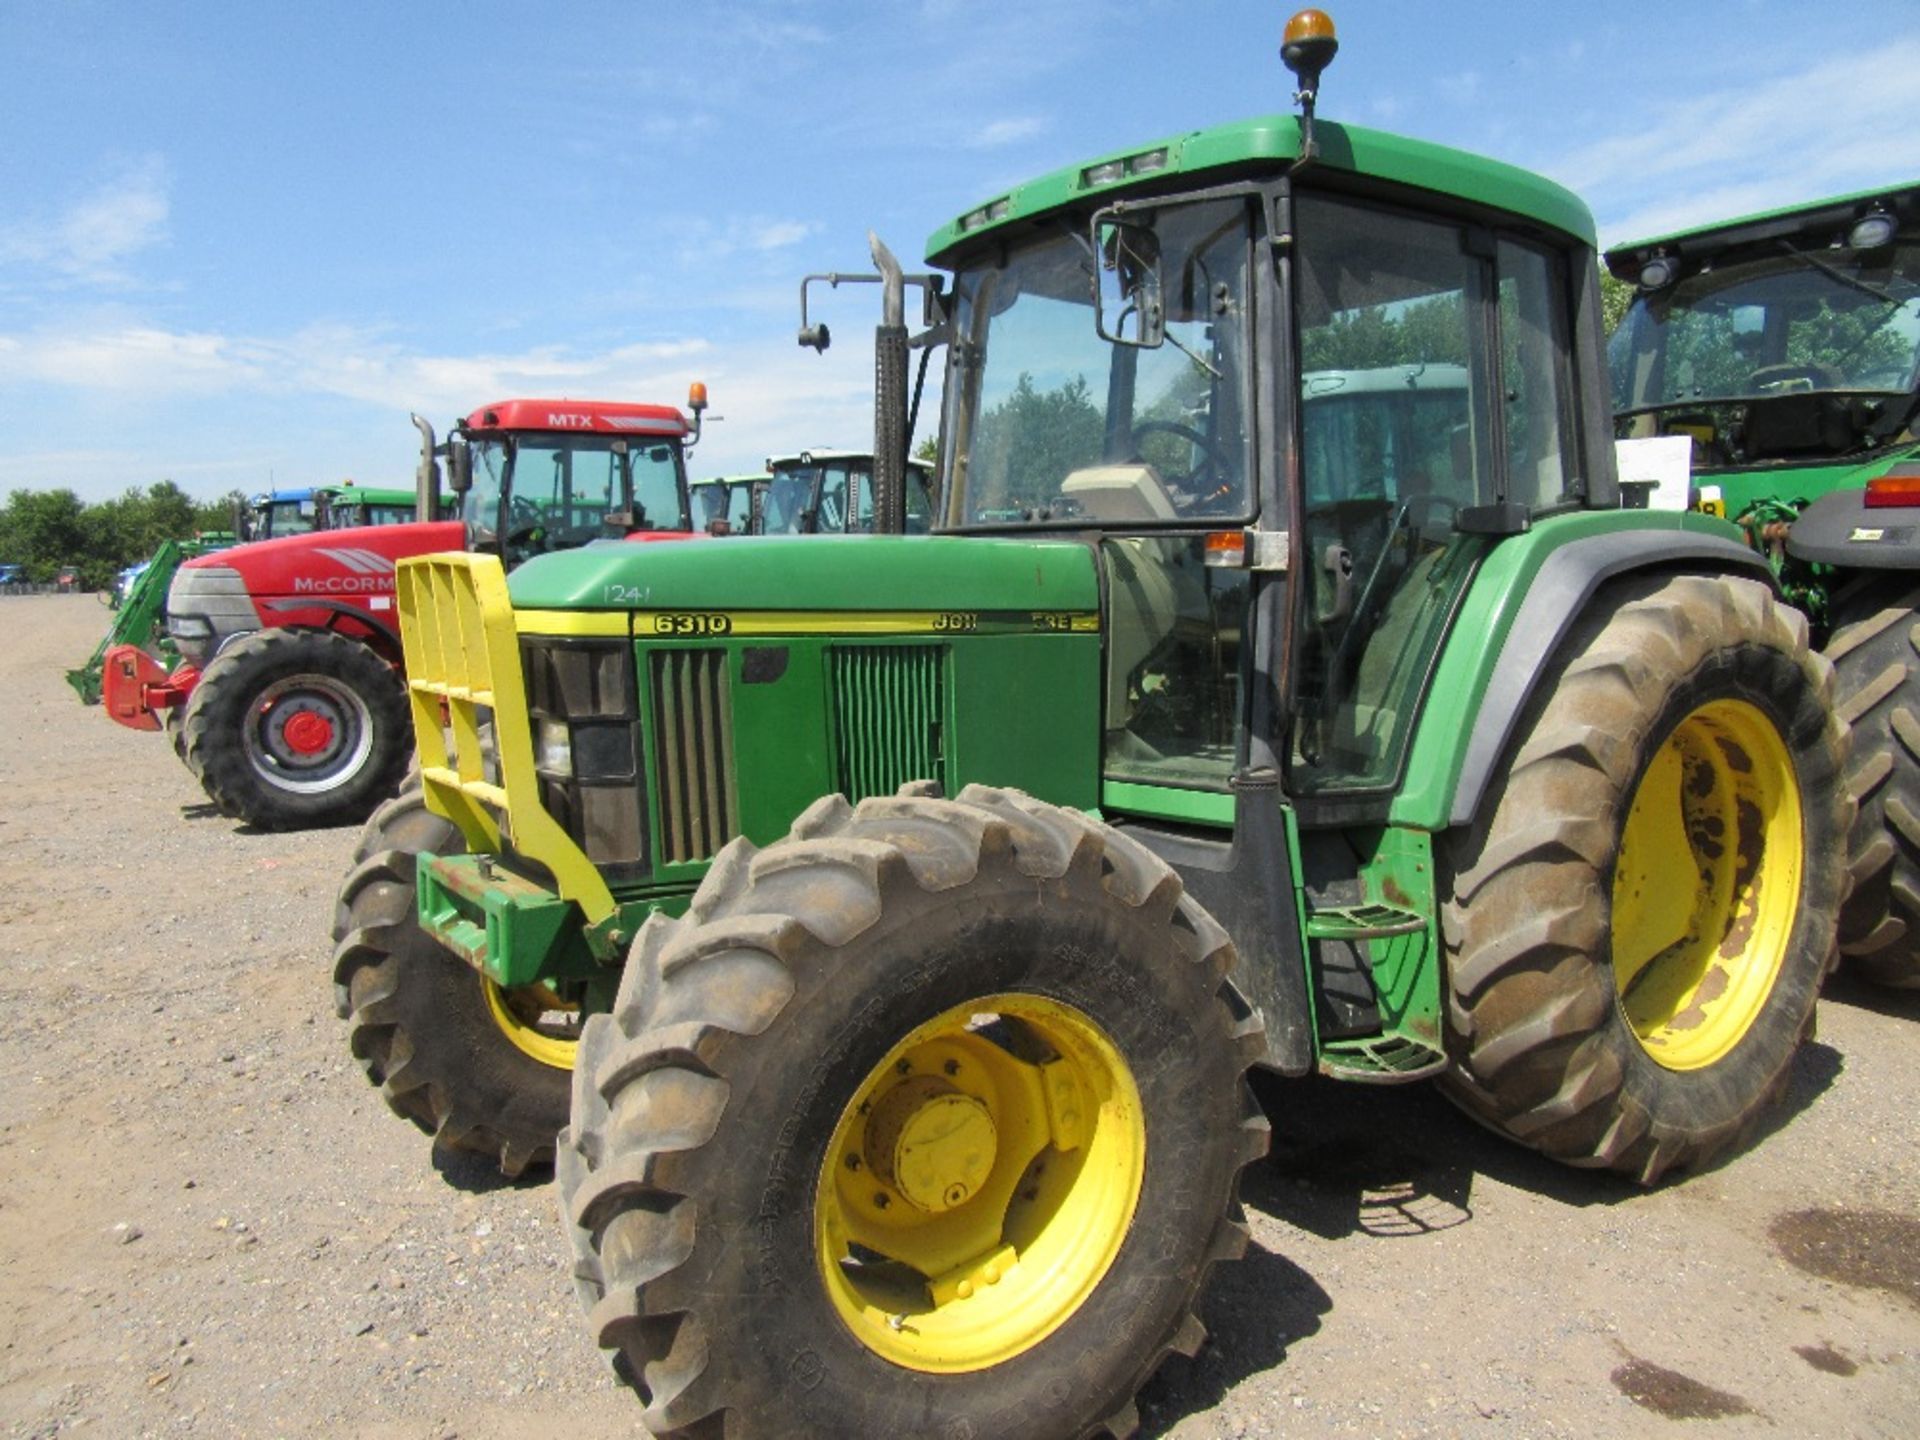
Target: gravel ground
211,1226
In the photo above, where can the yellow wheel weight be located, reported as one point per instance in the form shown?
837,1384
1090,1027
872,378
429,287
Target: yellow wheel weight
522,1016
980,1183
1706,886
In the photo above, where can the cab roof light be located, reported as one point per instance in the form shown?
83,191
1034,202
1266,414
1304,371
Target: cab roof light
1659,272
1872,231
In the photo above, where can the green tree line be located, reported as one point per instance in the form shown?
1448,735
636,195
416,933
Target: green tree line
43,530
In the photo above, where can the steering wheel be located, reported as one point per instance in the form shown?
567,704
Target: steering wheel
524,522
1773,378
1212,462
1359,620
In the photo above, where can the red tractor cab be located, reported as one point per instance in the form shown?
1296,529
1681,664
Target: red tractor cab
289,701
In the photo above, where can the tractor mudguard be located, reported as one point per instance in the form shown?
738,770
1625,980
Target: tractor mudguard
1566,580
1839,529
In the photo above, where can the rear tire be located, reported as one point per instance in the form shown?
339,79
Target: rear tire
1638,923
290,728
1875,652
450,1051
886,985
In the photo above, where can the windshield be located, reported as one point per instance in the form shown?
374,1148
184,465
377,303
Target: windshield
1047,423
368,512
1779,324
284,517
532,494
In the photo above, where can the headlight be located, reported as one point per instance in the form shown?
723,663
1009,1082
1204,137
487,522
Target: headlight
586,741
553,749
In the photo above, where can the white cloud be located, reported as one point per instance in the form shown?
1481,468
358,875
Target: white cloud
1760,144
148,363
90,238
1007,132
779,234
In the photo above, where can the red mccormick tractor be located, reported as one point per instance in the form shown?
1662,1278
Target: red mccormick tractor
927,898
1780,356
292,701
138,631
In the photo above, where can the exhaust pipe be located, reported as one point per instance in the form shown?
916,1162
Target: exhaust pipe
426,479
889,395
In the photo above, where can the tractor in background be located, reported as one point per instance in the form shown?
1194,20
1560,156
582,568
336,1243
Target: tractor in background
140,592
723,504
1779,356
830,492
290,701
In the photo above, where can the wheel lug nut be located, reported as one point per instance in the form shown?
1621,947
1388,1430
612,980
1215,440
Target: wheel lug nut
853,1162
952,1067
903,1067
880,1201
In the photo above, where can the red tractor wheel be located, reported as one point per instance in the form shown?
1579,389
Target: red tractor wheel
290,728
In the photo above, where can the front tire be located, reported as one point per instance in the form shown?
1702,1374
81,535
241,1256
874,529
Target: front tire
290,728
1639,920
1875,652
479,1068
928,1119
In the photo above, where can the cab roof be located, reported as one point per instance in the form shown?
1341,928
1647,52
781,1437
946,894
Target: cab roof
822,455
586,417
1837,213
1269,144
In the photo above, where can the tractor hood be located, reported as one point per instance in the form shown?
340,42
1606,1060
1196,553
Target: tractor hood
817,572
331,562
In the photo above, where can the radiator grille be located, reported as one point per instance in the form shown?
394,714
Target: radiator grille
888,714
693,729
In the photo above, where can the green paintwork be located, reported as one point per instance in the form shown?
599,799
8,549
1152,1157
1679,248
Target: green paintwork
1166,802
1797,482
140,619
1397,878
1473,646
1270,143
515,931
814,572
784,729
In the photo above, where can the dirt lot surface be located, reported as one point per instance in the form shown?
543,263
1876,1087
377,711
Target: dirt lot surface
211,1226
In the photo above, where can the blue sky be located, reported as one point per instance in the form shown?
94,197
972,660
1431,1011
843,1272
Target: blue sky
241,241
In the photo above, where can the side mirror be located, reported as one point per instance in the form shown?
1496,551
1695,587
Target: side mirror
459,467
1127,308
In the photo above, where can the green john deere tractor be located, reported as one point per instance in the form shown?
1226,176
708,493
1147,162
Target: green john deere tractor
1781,354
1284,687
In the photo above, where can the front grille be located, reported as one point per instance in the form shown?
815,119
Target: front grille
693,736
889,705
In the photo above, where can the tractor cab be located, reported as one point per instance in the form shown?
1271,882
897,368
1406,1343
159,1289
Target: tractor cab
535,476
723,504
1790,338
830,492
1282,403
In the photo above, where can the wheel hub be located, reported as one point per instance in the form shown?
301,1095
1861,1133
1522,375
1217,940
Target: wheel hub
979,1183
307,732
933,1144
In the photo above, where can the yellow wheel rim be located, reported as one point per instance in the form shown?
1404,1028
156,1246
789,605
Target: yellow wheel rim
979,1184
1707,885
537,1021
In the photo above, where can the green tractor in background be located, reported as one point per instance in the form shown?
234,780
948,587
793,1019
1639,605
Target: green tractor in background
1284,687
723,504
1780,355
